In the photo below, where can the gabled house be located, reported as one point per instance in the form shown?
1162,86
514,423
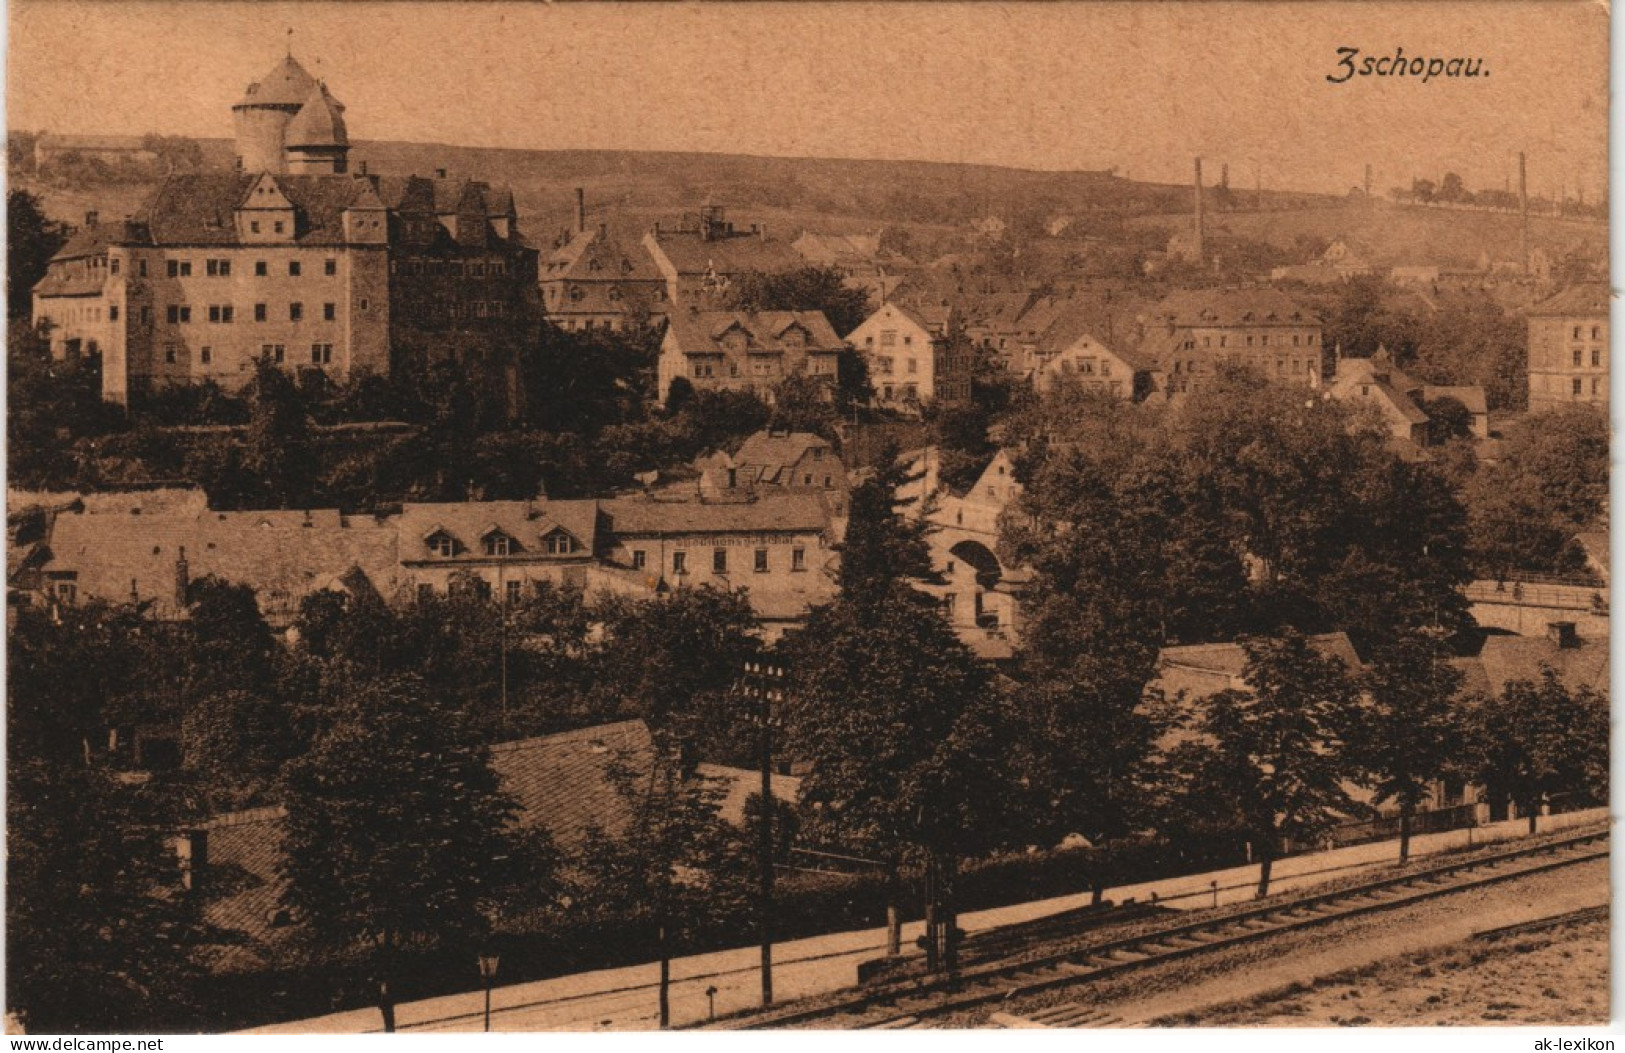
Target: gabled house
911,361
774,462
501,548
704,256
743,351
595,280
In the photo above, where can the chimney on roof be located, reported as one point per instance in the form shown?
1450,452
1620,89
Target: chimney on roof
440,173
1201,231
362,169
603,231
1368,179
581,210
192,850
657,228
1563,635
1523,210
183,580
91,219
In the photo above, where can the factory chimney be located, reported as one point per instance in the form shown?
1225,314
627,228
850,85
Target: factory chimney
581,210
1368,181
1201,231
1523,210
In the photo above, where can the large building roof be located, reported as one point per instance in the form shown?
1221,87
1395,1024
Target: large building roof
698,332
526,523
287,85
1231,308
283,556
634,516
596,256
1583,300
770,454
565,783
693,255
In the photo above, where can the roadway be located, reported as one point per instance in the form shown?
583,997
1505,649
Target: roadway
624,998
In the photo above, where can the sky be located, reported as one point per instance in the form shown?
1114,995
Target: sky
1141,87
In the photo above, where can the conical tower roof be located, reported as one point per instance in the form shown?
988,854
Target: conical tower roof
288,84
320,122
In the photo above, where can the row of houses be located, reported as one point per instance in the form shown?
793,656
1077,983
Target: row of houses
149,547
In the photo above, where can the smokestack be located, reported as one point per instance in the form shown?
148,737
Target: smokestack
91,219
183,580
1523,210
1224,175
581,210
1201,232
1368,180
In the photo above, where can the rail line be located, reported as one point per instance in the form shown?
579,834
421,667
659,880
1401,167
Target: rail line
907,1004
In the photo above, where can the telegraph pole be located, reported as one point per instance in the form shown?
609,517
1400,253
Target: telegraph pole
763,682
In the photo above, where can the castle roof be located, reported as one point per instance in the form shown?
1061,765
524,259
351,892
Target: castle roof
320,122
287,84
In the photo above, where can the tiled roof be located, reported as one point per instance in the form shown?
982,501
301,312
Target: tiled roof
275,553
1232,307
692,255
772,453
320,122
1509,658
287,84
201,209
563,782
738,784
801,513
1586,299
1083,321
93,241
1203,669
588,257
700,331
527,523
1470,396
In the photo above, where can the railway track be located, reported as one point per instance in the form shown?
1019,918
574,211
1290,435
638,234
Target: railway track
912,1003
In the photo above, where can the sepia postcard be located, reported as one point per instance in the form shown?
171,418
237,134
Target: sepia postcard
536,517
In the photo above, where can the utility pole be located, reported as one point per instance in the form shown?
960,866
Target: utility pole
764,683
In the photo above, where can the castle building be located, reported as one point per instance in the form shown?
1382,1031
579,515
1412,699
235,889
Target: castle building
292,258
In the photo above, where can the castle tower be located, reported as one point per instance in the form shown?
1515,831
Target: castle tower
315,141
263,115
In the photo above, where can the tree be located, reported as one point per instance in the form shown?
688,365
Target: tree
398,837
100,937
31,240
278,453
1411,733
676,870
1550,481
1539,740
806,289
1273,757
900,723
1447,419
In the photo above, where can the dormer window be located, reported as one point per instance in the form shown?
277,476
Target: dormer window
560,543
442,544
498,544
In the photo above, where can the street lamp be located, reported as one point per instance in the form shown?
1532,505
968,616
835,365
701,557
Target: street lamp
488,972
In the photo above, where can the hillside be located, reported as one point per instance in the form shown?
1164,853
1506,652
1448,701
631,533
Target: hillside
934,202
1388,235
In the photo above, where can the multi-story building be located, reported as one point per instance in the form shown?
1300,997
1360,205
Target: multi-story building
1195,332
1067,354
594,280
704,256
911,362
774,462
150,549
741,351
291,259
1568,348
